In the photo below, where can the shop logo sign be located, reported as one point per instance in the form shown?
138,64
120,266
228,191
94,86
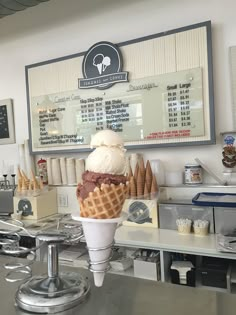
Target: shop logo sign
102,67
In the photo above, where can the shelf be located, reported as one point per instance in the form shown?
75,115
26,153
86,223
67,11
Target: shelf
169,240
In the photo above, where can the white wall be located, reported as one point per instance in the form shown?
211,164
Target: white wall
62,27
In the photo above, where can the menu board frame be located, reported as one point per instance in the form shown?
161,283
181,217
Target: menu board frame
9,136
210,121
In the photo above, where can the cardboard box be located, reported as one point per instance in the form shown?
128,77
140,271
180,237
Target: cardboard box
141,212
34,208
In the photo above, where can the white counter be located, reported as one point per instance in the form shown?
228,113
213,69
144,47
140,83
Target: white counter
169,240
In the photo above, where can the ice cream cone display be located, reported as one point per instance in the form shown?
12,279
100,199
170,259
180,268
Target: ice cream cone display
28,186
101,196
143,184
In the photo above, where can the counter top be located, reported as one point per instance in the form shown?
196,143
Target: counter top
169,240
129,296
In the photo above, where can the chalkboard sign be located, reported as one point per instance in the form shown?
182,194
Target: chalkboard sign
7,134
4,128
166,98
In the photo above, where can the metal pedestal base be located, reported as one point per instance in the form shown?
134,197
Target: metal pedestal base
50,295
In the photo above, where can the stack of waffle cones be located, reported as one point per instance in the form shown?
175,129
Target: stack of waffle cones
143,182
105,202
26,184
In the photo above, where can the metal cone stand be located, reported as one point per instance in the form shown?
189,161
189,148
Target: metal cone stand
54,292
99,235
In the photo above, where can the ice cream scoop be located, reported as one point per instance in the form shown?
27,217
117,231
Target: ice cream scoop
103,159
107,138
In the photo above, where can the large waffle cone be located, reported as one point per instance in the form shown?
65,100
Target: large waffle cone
105,202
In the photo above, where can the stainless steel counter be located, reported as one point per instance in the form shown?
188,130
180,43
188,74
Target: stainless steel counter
129,296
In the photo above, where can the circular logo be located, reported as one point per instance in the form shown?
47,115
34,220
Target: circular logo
102,59
139,213
24,205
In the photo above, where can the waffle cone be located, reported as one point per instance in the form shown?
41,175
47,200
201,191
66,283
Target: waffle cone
105,202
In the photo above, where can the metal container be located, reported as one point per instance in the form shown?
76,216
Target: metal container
193,174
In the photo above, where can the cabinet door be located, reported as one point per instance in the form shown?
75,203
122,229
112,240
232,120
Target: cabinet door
169,213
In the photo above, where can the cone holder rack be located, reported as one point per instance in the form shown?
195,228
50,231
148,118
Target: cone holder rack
91,264
35,294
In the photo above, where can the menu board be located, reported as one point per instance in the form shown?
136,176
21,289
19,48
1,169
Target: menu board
167,106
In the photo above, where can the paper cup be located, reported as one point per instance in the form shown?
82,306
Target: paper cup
201,231
99,235
184,229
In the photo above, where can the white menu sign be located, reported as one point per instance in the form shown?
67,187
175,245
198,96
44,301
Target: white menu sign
168,106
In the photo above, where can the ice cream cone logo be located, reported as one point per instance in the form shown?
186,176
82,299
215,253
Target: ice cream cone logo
101,62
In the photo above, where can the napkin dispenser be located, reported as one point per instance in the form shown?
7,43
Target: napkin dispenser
6,202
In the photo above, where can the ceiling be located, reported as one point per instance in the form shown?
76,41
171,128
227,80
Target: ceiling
8,7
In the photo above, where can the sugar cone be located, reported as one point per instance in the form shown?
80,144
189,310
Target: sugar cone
130,174
19,174
33,176
99,235
24,176
35,184
148,176
132,186
142,167
146,192
24,185
41,186
140,184
136,172
19,186
154,187
30,186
